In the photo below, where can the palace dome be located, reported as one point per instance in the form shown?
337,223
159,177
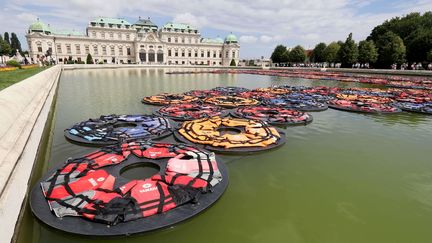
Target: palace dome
231,39
39,26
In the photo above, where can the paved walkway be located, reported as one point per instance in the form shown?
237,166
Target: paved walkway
24,108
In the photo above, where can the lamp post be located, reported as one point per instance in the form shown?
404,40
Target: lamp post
55,50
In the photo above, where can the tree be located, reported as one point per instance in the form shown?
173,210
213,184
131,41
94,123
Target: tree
368,52
15,43
330,53
279,54
418,43
233,63
6,38
318,52
297,54
414,29
89,59
429,56
348,52
4,48
391,49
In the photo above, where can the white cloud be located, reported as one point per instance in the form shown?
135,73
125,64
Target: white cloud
248,39
191,19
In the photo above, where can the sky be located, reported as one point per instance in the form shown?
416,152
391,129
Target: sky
260,25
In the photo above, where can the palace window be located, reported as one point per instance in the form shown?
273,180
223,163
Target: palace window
176,40
59,49
220,54
120,36
214,54
95,50
183,53
110,25
94,34
78,49
183,40
169,39
202,53
87,49
176,53
112,51
196,53
189,53
127,36
111,35
169,53
128,50
39,47
233,54
103,35
208,53
120,50
68,49
226,54
104,51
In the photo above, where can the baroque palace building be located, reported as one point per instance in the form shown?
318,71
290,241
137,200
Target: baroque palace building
115,40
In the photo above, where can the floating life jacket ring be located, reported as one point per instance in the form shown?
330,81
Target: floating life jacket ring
202,94
109,129
168,99
273,115
297,104
274,90
424,108
191,111
258,95
90,188
230,134
230,90
230,101
359,106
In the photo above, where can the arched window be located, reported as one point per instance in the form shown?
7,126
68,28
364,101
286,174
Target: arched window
151,56
142,55
160,56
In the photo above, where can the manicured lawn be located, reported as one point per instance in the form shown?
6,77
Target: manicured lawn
7,78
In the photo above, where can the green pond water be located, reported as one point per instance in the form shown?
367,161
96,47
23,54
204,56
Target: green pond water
346,177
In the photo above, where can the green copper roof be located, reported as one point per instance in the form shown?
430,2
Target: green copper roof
39,26
103,20
145,22
179,26
67,33
231,38
212,41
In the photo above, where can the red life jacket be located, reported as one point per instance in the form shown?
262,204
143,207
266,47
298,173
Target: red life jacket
151,197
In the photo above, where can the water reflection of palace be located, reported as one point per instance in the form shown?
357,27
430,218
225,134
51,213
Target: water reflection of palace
115,40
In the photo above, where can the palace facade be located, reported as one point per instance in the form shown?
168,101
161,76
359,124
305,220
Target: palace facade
115,40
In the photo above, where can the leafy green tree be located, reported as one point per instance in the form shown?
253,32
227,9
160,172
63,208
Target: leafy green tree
330,53
391,49
4,48
89,59
429,56
348,52
15,43
318,52
368,52
297,54
233,63
414,29
279,54
418,43
6,38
